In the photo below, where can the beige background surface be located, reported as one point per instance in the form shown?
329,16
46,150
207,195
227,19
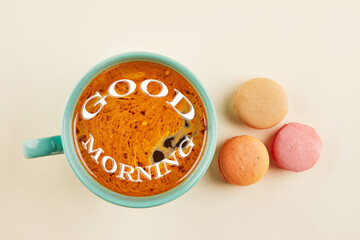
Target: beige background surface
312,48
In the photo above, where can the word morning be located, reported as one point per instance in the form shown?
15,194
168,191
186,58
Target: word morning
127,171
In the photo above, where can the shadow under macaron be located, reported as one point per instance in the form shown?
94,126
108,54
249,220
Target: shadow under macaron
229,109
268,142
214,170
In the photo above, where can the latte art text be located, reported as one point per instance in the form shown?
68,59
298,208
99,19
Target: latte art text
140,128
131,88
127,172
137,174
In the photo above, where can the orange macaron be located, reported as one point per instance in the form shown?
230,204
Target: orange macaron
243,160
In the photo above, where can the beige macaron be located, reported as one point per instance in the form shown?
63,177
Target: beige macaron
261,103
243,160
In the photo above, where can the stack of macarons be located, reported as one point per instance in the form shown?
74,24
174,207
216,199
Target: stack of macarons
262,103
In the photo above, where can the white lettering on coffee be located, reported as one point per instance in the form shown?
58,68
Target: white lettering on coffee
157,170
141,171
171,162
144,88
85,114
103,164
126,173
189,145
162,93
189,115
166,169
91,150
131,85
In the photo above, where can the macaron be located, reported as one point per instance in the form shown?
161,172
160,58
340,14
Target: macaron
296,147
243,160
261,103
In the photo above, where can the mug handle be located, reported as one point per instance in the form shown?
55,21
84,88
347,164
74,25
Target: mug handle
42,147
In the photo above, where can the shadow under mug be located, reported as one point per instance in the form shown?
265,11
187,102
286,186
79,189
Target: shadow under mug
65,144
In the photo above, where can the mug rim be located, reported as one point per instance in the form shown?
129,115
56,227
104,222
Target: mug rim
117,198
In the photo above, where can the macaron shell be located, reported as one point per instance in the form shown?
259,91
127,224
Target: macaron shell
296,147
243,160
261,103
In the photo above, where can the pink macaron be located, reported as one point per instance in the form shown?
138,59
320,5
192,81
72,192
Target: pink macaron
296,147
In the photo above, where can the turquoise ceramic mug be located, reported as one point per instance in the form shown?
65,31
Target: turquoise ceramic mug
64,143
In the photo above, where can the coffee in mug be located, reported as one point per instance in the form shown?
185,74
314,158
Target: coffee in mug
139,128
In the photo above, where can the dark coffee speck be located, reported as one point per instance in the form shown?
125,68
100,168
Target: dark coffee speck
180,141
158,156
168,142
